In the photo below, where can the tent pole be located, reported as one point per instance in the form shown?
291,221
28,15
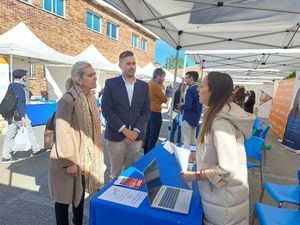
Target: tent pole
184,65
174,83
10,67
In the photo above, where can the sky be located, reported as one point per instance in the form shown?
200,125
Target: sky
163,50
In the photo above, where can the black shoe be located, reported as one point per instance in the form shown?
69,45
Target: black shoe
40,151
11,160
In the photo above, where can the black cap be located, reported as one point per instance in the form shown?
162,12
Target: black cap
19,73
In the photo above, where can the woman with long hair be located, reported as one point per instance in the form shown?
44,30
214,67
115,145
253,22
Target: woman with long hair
221,158
76,159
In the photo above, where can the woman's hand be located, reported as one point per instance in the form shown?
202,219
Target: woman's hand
72,170
188,175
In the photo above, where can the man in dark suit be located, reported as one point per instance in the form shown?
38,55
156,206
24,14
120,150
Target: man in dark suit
126,108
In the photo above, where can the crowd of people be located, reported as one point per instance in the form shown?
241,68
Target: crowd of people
133,112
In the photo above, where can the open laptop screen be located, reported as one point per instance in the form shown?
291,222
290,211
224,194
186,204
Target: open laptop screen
152,180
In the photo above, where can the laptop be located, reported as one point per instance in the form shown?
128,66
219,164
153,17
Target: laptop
163,196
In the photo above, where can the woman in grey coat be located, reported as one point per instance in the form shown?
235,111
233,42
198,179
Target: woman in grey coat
221,158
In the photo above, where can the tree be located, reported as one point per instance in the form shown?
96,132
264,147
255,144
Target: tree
171,62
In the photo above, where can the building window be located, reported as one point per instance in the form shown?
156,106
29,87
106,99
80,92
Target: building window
112,30
134,41
55,6
93,22
143,44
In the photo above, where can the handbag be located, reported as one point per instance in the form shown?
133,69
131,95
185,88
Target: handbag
21,140
49,133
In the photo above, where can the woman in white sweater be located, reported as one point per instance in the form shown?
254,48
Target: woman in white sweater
221,158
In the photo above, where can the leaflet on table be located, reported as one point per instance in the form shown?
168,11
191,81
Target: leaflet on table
182,155
129,182
123,196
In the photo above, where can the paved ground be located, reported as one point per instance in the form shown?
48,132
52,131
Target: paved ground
24,197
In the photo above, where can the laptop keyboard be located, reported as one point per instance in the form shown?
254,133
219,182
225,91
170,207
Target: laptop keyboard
169,198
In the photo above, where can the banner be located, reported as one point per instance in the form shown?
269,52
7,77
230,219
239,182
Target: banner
291,137
281,107
265,101
4,76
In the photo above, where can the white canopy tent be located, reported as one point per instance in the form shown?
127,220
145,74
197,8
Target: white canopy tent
250,64
58,74
20,43
148,70
208,25
231,24
98,61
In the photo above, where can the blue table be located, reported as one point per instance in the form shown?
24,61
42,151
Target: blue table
108,213
40,112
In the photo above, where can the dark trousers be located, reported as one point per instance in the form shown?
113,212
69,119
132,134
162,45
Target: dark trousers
61,211
153,129
175,126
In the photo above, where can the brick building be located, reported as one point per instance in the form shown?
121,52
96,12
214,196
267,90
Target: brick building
70,26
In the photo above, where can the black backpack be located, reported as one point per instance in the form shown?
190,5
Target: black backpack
8,106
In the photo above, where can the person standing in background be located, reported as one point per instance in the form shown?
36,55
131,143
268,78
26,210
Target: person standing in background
178,99
192,110
157,97
249,104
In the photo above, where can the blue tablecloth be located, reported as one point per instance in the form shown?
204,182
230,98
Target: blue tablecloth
40,112
108,213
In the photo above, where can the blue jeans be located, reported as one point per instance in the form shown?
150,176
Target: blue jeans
176,126
153,129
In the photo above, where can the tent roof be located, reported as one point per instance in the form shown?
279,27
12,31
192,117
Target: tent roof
98,61
249,64
20,41
212,24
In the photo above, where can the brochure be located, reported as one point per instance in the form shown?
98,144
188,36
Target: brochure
123,196
129,182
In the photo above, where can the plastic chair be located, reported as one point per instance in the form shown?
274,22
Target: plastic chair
283,193
254,146
257,126
263,134
269,215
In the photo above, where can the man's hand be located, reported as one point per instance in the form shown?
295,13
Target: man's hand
131,135
128,141
23,122
72,170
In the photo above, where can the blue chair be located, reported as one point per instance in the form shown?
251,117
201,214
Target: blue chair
254,146
269,215
283,193
257,126
263,134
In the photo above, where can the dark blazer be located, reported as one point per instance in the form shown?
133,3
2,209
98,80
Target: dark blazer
117,111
